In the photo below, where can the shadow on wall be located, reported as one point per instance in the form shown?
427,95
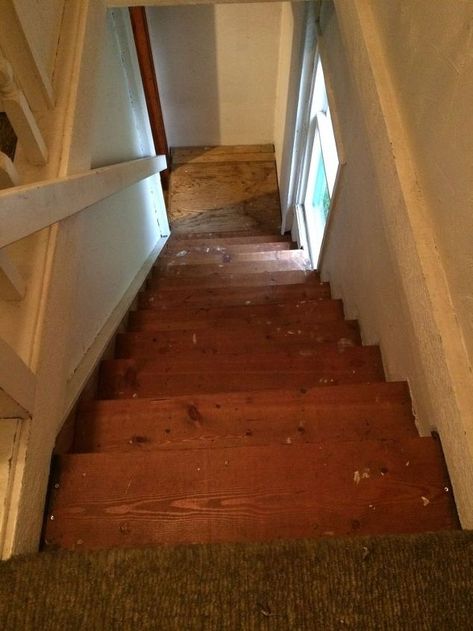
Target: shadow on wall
184,49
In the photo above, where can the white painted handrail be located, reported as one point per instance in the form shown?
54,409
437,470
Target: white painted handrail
16,378
21,117
32,207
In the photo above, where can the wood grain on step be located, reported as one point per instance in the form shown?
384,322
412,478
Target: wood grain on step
235,237
228,153
301,313
250,494
225,278
234,296
125,378
196,253
214,197
202,271
238,338
241,262
367,411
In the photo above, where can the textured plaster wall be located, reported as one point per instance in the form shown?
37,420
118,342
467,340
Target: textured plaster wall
118,234
217,69
289,71
385,252
429,50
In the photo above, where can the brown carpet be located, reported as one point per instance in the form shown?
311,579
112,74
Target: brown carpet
412,582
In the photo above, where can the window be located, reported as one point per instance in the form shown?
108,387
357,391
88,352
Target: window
320,169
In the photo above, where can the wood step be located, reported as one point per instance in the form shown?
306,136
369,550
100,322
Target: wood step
224,279
203,271
233,153
345,412
233,261
188,252
240,338
250,494
299,314
233,237
176,375
233,296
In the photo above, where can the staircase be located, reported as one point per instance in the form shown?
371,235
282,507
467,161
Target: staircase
241,406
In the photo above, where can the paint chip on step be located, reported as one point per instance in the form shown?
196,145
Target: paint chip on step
425,501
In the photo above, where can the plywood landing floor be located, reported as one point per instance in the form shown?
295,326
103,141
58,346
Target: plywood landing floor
224,189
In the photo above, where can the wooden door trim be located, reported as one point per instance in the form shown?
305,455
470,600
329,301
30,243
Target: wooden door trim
144,52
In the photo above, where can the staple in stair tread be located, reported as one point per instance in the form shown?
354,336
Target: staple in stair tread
228,419
250,493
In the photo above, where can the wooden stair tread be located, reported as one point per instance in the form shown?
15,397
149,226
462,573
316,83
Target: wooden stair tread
177,251
233,237
123,378
183,259
241,337
253,310
229,153
250,493
227,317
368,411
224,279
247,268
233,296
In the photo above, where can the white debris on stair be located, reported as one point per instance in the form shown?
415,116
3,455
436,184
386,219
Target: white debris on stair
182,253
425,501
343,343
357,476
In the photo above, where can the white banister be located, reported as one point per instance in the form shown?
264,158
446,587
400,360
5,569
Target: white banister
8,173
32,207
12,285
21,117
28,66
16,379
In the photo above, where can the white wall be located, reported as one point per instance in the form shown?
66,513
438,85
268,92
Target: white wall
293,16
431,65
117,235
385,252
217,69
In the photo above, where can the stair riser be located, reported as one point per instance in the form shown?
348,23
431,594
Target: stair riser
250,494
226,279
238,297
238,237
182,255
204,270
239,340
194,428
138,378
